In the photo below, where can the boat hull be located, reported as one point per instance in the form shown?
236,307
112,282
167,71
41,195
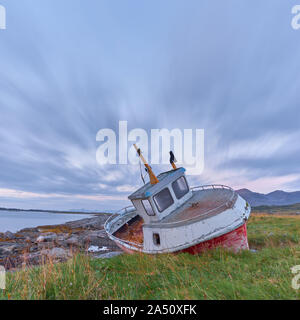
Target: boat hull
235,240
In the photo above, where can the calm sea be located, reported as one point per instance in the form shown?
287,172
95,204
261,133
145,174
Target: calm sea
16,220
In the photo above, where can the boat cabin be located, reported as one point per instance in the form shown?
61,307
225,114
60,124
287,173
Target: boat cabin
154,202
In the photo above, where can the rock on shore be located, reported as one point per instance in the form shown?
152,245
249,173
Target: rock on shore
33,246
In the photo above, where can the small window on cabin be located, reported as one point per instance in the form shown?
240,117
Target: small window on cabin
148,208
180,187
156,239
163,199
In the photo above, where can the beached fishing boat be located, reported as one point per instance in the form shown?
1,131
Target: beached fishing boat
168,215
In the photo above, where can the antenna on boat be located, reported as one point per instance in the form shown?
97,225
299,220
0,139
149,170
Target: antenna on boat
152,176
173,160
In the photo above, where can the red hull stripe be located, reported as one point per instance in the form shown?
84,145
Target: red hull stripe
235,240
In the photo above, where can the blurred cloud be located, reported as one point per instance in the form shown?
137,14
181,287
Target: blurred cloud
70,68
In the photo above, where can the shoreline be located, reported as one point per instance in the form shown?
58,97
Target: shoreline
53,211
58,243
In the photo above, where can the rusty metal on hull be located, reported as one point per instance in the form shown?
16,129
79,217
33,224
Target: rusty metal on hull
132,231
235,240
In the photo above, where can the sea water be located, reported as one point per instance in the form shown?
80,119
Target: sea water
16,220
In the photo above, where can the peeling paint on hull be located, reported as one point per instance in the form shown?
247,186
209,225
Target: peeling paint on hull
235,240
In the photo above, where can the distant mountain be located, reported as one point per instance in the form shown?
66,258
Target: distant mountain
275,198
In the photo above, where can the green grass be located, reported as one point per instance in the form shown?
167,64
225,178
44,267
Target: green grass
217,274
282,210
270,231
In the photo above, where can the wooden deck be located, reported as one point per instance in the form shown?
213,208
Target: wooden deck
132,231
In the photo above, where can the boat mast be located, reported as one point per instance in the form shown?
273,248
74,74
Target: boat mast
152,176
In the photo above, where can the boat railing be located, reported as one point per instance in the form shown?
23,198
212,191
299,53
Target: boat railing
212,186
120,215
126,210
216,186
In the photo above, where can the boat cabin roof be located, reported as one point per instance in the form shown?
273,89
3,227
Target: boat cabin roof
164,178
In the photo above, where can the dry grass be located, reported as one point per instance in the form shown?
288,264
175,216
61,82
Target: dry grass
216,274
58,229
282,215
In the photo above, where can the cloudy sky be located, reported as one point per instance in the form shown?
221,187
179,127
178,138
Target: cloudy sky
69,68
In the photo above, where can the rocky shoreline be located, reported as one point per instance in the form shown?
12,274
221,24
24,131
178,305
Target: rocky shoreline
57,243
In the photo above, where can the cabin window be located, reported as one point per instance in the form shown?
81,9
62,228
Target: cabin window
163,199
148,208
156,239
180,187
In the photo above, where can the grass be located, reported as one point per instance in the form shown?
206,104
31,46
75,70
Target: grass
281,210
273,231
217,274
